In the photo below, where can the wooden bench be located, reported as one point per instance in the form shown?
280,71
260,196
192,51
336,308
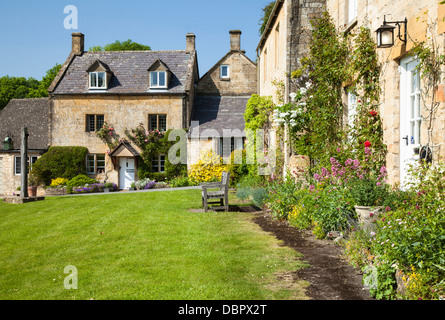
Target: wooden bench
222,195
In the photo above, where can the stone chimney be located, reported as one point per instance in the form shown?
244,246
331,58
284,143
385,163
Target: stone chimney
77,46
235,40
190,42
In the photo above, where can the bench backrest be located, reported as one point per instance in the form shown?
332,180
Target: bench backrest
225,179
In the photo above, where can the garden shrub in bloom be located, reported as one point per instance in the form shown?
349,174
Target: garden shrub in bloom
208,168
58,182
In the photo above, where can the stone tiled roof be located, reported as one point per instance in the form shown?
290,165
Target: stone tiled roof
130,71
219,113
30,113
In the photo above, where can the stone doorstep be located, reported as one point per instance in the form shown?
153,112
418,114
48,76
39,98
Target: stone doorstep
20,200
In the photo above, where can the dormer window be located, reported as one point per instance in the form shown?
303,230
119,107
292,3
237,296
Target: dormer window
99,76
98,80
159,76
158,79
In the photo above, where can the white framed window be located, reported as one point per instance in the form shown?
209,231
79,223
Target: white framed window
352,10
352,108
228,145
98,80
18,164
158,163
224,71
158,79
95,163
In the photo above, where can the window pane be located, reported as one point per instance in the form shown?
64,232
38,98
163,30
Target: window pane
101,79
153,122
162,163
100,122
153,79
90,123
93,79
18,168
224,71
100,163
155,165
162,79
162,123
90,163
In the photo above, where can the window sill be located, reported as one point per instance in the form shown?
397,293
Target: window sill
351,25
224,79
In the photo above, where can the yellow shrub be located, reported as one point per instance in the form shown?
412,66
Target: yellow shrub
58,182
208,168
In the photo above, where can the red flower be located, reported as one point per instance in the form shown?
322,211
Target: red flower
373,113
367,144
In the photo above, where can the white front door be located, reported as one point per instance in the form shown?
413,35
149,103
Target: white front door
410,117
126,172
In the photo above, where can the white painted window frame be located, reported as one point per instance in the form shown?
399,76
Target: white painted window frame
30,163
227,76
156,74
96,75
95,168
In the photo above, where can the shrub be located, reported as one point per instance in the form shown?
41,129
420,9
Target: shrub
58,182
181,181
60,162
254,188
281,199
80,180
208,168
144,184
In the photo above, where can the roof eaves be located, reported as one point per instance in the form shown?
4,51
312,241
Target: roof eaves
270,22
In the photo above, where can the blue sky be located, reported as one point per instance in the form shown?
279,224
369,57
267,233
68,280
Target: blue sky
33,37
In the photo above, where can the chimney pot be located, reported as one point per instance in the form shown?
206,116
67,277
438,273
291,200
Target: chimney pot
190,42
235,40
77,47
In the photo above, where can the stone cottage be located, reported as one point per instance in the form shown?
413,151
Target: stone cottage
159,89
402,101
284,42
403,104
220,101
35,114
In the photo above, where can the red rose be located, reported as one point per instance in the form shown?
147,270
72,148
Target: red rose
373,113
367,144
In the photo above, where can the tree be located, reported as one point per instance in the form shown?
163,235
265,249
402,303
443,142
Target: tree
267,10
21,88
128,45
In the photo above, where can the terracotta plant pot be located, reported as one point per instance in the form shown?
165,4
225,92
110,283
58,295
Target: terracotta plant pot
32,191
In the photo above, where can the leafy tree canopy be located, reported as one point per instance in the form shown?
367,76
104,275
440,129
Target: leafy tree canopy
127,45
21,88
267,10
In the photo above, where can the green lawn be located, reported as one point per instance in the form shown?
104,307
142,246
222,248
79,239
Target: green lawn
139,246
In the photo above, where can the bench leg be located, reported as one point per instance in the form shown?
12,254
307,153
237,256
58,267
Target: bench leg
206,208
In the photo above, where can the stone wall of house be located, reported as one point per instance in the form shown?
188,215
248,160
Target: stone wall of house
425,22
121,112
273,54
9,181
242,80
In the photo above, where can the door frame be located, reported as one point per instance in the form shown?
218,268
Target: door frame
123,176
406,147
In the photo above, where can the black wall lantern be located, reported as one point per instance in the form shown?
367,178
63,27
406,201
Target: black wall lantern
385,34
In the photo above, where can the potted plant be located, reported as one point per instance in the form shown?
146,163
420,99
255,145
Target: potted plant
368,195
32,185
108,187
